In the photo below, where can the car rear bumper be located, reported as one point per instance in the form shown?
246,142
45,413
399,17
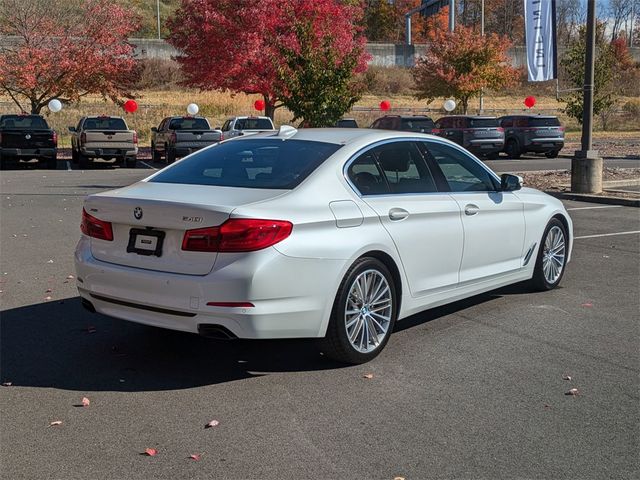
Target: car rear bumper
110,152
28,153
484,146
286,304
545,144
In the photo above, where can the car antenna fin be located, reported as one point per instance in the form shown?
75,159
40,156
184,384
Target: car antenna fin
286,131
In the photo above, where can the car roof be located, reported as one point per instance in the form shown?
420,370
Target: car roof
339,136
480,117
529,116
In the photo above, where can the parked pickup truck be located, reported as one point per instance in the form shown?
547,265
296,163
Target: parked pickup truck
236,126
103,137
25,137
179,136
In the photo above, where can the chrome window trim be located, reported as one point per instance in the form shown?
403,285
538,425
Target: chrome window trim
455,146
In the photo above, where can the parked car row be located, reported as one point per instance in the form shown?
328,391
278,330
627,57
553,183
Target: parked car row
487,136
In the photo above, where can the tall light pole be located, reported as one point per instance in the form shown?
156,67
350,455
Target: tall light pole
158,15
452,15
586,166
482,34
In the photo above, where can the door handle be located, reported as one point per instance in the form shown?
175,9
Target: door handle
398,214
471,209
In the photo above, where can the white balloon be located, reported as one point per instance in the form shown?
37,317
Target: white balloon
449,105
192,109
55,105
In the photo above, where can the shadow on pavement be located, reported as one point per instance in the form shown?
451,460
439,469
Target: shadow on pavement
61,345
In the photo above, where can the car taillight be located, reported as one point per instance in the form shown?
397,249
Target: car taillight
436,131
54,139
500,129
174,137
561,129
135,137
83,138
221,136
96,228
237,235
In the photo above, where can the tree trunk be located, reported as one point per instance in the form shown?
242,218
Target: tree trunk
35,106
269,108
465,104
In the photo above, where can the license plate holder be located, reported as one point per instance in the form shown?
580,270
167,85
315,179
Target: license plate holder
145,242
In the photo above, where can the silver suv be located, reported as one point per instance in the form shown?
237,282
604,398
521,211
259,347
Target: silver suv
480,135
532,133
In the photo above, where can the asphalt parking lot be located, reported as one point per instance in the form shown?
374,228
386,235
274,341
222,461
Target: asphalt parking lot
471,390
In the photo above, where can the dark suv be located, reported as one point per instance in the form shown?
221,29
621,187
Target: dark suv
479,135
413,123
532,133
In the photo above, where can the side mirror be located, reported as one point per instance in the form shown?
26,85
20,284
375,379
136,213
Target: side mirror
154,129
509,183
72,129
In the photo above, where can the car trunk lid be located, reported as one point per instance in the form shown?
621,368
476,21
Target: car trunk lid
149,221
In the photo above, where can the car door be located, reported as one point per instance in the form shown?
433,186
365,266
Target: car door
425,225
493,220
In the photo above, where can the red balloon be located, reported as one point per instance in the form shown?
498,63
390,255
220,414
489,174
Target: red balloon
259,105
130,106
385,105
530,101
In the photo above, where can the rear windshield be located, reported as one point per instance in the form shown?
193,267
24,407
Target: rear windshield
251,163
346,123
483,122
23,122
189,124
253,124
416,124
105,123
544,122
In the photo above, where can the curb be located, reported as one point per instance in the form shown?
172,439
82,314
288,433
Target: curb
582,197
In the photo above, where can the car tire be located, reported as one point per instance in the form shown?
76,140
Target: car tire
155,155
74,156
130,162
171,155
552,257
83,161
512,149
346,332
552,154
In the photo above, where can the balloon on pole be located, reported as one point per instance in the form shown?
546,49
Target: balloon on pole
449,105
530,101
192,109
130,106
55,105
385,105
258,105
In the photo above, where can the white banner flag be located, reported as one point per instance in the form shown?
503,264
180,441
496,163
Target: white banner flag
540,27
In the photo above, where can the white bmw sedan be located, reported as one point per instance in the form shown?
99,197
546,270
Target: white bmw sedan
327,233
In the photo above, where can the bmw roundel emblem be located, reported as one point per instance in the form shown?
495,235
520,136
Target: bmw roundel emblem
137,212
27,136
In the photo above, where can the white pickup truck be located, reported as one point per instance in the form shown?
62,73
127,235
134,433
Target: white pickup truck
237,126
103,137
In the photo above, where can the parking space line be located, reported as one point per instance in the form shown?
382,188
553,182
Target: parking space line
607,234
147,165
594,208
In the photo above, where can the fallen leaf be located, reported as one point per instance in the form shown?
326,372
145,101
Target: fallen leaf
7,384
368,375
152,452
47,298
50,261
573,391
195,456
48,290
212,423
546,405
587,304
55,423
85,402
69,277
566,377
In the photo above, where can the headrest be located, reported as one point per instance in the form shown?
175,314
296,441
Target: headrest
395,160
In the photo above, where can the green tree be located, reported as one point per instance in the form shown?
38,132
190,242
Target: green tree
605,72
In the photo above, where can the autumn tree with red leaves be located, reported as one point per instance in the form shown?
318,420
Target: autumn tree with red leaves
284,50
462,63
65,50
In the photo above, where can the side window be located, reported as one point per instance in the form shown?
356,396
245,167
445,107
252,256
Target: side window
226,126
79,124
162,125
462,173
365,175
404,168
